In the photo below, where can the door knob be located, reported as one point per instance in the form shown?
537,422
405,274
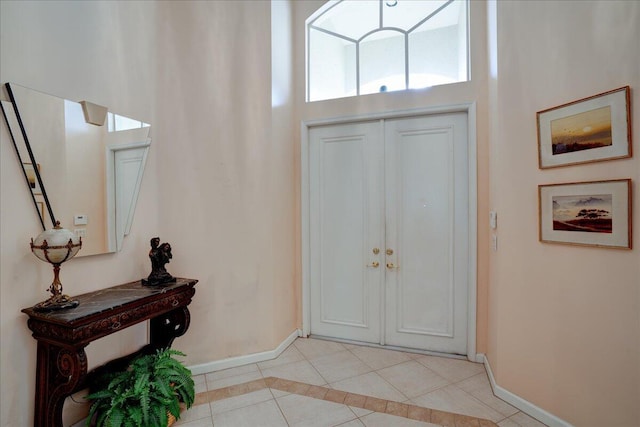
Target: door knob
376,251
390,266
374,264
389,251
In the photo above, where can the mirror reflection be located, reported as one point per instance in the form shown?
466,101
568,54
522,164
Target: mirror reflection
82,164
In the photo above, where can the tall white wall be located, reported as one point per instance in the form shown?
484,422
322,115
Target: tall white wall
564,321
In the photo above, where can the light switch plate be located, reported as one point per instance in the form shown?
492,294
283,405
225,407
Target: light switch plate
493,219
80,219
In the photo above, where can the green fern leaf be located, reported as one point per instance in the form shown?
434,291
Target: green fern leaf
116,417
135,416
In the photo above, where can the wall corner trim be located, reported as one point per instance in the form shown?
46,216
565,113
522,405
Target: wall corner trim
232,362
520,403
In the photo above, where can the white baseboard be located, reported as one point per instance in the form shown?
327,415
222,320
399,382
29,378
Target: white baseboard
520,403
233,362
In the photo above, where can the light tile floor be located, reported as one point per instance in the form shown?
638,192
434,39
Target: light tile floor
323,383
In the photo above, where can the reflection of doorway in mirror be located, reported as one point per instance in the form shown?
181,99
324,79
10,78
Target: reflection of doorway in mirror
125,167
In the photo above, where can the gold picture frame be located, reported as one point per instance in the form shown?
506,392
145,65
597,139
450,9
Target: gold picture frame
595,213
588,130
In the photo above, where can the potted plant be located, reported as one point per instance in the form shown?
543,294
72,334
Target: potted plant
146,394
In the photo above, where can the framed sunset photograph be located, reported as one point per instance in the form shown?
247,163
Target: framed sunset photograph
588,130
596,213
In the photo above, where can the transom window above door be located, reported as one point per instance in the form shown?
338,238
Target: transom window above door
358,47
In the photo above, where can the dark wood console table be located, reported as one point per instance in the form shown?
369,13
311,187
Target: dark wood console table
62,335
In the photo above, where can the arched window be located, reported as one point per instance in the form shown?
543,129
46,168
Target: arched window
356,47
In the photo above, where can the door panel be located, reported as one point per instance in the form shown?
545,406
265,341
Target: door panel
346,225
426,294
128,169
399,185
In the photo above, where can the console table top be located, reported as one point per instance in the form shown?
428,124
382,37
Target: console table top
108,299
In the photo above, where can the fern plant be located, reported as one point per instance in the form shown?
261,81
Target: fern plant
144,394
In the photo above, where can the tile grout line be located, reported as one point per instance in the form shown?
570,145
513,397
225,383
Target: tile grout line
341,379
367,365
385,367
471,396
284,417
480,401
316,370
408,399
410,411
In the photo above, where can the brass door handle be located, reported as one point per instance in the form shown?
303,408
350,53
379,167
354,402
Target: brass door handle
390,266
374,264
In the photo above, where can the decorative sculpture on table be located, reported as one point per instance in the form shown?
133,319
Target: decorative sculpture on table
160,254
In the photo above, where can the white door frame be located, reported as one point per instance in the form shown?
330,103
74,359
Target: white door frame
114,241
470,109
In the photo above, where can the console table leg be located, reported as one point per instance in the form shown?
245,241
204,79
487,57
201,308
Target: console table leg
167,327
59,371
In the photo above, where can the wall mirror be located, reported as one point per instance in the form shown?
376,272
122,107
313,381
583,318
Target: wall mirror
82,164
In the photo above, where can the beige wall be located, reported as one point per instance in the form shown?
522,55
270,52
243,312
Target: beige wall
219,183
222,184
68,50
226,175
564,330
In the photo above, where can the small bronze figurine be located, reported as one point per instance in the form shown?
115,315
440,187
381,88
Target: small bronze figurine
160,254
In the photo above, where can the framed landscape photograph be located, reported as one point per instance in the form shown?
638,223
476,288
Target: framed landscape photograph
596,213
588,130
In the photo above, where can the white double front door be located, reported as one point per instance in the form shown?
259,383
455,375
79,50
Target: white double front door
389,234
